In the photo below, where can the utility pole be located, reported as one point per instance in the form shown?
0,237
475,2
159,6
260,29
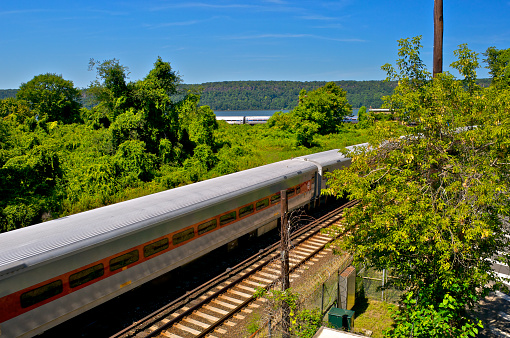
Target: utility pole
284,245
438,37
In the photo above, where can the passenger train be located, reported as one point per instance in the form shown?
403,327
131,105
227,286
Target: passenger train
53,271
252,120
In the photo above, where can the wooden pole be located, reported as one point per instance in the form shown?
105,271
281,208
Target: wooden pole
284,245
438,37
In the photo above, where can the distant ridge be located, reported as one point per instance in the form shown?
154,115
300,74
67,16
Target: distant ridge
271,95
277,95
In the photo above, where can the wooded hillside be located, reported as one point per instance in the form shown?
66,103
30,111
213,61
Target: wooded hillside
267,95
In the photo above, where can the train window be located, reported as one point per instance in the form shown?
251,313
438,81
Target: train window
40,294
262,204
183,236
84,276
227,218
154,248
290,192
298,189
207,226
275,198
245,210
123,260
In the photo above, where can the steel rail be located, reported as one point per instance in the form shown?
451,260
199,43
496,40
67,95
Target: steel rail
263,257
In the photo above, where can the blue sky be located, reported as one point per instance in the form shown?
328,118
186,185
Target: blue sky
224,40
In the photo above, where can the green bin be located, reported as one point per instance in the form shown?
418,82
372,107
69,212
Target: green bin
341,318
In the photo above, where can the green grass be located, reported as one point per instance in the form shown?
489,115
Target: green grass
372,315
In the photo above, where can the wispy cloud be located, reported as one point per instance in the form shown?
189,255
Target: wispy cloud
112,13
23,11
317,17
182,23
291,36
269,6
201,5
173,24
278,2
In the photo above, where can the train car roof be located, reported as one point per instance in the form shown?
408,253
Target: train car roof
55,238
230,118
330,157
324,158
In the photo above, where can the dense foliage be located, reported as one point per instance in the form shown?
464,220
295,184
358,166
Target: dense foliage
320,111
435,203
134,138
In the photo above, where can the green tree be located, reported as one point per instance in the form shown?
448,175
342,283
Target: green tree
498,63
305,131
304,323
364,120
51,98
27,186
466,65
197,124
141,110
134,162
202,126
150,97
433,203
325,106
15,110
110,89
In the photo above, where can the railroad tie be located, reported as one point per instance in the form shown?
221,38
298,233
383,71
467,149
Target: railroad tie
309,246
230,299
299,255
227,305
273,270
303,251
170,335
247,288
317,242
273,277
215,309
196,322
256,284
186,329
242,294
210,318
264,280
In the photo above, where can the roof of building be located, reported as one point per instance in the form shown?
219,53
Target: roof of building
326,332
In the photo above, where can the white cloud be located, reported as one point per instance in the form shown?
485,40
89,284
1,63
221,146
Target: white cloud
291,36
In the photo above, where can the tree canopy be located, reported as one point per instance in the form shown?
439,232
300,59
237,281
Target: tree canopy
51,98
498,63
434,203
319,111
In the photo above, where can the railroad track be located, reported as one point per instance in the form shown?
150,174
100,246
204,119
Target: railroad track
211,309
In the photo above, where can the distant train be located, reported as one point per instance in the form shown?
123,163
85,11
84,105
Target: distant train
53,271
263,119
244,119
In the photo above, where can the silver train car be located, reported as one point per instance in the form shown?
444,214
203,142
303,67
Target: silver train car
53,271
252,120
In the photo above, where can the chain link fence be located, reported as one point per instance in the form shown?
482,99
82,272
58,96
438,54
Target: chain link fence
374,285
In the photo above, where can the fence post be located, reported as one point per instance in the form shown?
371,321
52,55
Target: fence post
338,289
322,299
382,294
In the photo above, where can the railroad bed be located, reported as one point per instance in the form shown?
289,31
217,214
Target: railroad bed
214,308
